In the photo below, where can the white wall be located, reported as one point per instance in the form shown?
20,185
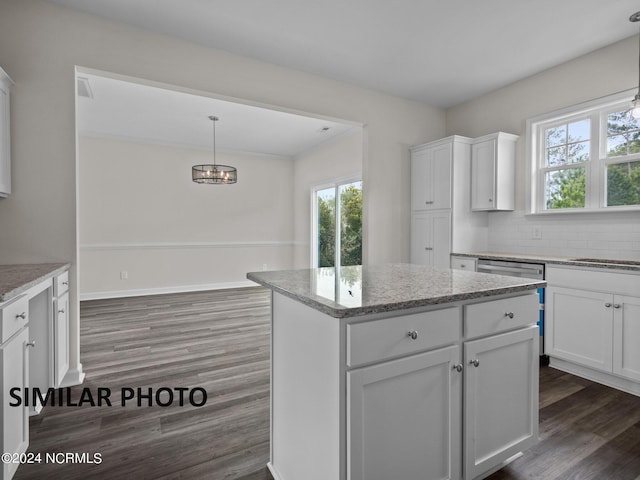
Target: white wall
141,213
40,46
606,71
337,159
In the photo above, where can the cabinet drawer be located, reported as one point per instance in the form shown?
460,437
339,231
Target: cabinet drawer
14,316
500,315
464,263
381,339
62,283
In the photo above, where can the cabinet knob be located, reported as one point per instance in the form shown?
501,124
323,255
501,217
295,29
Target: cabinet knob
22,315
475,363
491,200
413,334
462,265
509,314
65,283
32,343
61,310
458,368
607,304
616,305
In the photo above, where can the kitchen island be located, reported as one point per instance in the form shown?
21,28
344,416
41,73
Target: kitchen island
400,371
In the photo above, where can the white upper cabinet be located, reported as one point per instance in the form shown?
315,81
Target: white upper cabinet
5,145
493,172
431,175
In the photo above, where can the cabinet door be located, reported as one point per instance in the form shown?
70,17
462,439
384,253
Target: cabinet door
61,339
626,335
431,178
501,398
403,418
483,175
431,239
15,420
579,326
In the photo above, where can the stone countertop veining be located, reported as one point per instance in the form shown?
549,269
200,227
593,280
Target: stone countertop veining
354,291
578,261
16,279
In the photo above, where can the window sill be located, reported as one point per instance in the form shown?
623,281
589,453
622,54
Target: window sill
573,211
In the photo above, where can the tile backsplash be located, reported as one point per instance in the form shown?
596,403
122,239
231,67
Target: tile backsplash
614,235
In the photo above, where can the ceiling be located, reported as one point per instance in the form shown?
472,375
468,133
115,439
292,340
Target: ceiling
133,111
435,51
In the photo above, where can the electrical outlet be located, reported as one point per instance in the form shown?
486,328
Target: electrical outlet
536,233
124,275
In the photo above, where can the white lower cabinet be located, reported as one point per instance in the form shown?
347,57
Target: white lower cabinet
580,326
593,324
446,393
61,338
404,418
500,399
15,419
626,336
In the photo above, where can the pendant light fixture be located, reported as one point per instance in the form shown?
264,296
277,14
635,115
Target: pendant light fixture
214,173
635,104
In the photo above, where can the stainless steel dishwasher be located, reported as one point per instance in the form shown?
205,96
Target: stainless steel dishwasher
524,270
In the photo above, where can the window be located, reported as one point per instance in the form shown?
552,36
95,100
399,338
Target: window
586,158
337,232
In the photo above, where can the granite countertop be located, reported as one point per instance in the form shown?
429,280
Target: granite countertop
612,264
17,279
354,291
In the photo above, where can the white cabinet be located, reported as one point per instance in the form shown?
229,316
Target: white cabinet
408,396
593,324
431,176
500,405
469,264
404,418
60,337
431,238
14,360
5,136
440,181
579,326
493,172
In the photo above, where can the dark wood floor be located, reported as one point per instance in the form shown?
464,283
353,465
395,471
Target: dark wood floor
220,341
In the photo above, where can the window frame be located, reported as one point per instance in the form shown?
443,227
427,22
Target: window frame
595,168
335,185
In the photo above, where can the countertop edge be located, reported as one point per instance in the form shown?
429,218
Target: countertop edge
350,312
55,269
516,257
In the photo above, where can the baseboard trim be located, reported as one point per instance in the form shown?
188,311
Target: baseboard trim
73,377
608,379
164,290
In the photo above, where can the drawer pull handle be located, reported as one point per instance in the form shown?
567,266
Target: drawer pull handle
22,315
607,304
428,203
458,368
475,363
509,314
65,283
413,334
428,248
61,310
616,305
32,343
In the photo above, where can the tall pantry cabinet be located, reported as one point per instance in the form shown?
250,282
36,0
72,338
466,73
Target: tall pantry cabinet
440,202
